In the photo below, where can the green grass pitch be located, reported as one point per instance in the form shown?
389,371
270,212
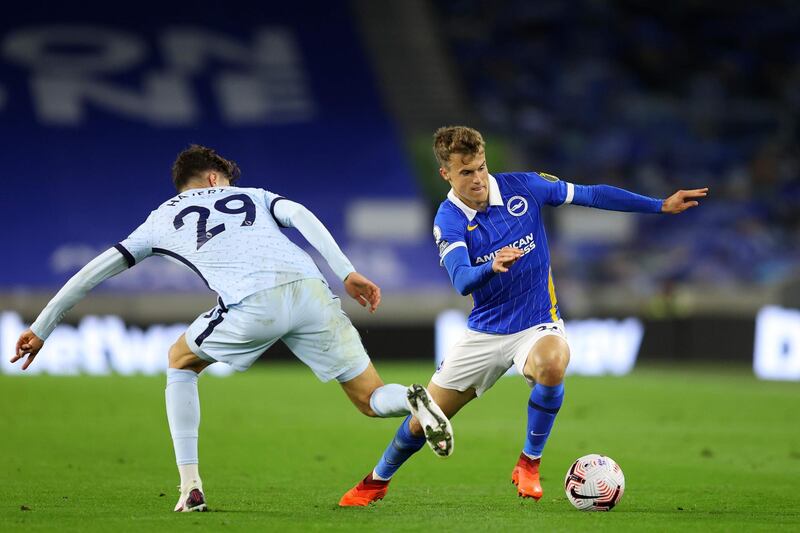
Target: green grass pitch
702,449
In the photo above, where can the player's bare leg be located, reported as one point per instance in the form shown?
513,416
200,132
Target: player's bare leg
546,365
373,398
408,440
368,388
548,360
183,414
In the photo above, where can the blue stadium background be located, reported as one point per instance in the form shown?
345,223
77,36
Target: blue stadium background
333,104
92,164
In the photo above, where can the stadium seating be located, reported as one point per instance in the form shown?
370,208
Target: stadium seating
652,98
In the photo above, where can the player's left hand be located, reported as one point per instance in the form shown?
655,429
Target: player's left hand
683,200
28,344
363,291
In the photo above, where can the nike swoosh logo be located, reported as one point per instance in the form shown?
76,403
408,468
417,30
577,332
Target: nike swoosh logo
538,434
575,494
470,228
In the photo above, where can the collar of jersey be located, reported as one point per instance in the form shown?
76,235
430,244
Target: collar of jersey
494,199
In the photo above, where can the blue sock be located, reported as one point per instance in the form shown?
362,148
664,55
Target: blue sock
403,446
543,407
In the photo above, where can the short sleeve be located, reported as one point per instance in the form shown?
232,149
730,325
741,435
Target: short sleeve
139,244
448,233
548,189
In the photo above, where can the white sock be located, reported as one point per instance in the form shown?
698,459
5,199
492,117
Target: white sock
183,414
389,401
190,476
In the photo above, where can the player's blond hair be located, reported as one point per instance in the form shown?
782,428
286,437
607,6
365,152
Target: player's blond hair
456,140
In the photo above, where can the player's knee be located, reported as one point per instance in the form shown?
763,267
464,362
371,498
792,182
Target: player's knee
174,355
551,368
181,359
549,364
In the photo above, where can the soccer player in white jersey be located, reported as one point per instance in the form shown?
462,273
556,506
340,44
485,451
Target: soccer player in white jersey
491,239
268,288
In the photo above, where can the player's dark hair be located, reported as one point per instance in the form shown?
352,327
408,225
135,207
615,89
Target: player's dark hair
198,159
456,140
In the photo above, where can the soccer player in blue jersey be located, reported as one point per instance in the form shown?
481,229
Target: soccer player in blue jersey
492,241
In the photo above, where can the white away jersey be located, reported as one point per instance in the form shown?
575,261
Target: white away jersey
228,236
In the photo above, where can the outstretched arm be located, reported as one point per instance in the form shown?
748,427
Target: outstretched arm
294,215
616,199
109,263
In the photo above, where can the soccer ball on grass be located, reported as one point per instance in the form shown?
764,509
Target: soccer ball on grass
594,483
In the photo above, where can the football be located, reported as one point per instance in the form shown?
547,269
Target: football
594,483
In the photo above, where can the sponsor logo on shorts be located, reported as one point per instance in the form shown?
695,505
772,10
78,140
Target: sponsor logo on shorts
545,328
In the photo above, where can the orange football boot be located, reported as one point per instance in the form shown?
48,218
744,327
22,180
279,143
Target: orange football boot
367,491
526,477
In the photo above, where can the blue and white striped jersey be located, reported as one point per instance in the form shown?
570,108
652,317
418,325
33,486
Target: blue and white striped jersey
524,296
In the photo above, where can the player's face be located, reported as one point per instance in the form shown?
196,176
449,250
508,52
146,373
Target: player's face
469,178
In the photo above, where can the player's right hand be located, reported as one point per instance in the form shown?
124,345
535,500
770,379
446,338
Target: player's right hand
28,344
363,291
505,257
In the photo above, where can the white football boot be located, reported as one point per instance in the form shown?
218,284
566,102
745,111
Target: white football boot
436,426
192,498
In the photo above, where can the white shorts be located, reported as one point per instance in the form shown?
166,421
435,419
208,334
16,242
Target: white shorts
479,359
304,314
